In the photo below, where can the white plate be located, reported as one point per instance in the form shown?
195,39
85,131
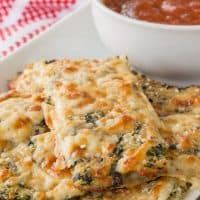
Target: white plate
73,37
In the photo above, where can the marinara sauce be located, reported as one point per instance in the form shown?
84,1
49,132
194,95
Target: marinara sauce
177,12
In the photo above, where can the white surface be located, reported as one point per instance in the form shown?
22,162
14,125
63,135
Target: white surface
15,14
73,37
166,52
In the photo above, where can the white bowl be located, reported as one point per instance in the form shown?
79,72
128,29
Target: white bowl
165,52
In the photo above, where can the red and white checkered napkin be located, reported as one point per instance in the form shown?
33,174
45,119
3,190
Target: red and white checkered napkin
22,20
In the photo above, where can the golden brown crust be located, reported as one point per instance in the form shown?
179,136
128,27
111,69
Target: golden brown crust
179,109
168,100
104,132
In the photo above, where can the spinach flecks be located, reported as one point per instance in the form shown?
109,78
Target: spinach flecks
83,178
156,151
116,179
138,128
92,117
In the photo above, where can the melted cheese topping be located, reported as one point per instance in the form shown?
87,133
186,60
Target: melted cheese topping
95,110
20,117
20,167
169,100
89,126
185,136
30,80
161,189
180,111
99,104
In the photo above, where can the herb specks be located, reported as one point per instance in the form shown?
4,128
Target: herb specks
156,151
92,117
83,178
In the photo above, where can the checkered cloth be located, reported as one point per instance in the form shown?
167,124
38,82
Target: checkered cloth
22,20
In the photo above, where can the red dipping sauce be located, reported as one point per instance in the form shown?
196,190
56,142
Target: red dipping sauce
175,12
